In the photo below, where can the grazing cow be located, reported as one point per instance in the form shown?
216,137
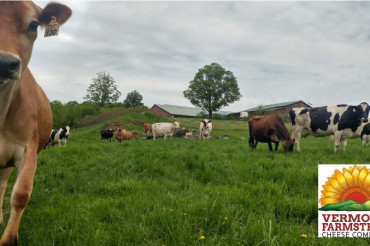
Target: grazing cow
106,134
205,129
147,128
269,128
25,113
119,134
164,129
59,136
340,120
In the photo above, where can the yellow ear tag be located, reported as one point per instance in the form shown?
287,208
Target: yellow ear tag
52,29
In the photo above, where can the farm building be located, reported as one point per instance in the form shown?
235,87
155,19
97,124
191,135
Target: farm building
182,111
280,108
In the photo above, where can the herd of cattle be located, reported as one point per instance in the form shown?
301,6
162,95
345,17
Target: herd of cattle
342,122
162,129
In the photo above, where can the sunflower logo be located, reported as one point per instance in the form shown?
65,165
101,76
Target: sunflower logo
348,190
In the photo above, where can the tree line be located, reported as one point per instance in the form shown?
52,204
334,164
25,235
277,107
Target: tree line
212,88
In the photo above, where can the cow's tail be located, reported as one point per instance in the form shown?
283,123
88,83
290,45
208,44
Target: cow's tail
251,139
292,116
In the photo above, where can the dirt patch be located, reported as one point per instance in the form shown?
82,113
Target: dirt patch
137,123
115,125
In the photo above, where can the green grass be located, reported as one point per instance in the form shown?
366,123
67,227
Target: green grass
172,192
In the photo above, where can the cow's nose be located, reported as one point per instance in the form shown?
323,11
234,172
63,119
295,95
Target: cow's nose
9,67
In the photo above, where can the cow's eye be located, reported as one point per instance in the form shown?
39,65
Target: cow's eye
33,26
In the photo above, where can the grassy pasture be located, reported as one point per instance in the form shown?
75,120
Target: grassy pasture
173,192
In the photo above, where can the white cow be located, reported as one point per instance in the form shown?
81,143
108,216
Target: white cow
60,136
205,129
164,129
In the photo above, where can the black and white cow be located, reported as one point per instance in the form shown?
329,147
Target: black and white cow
205,129
365,134
59,136
340,120
106,134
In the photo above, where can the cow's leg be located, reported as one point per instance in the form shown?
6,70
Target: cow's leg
344,144
276,146
4,176
269,144
337,136
251,142
297,137
20,195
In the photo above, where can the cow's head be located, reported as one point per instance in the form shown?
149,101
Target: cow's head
364,109
67,129
19,21
176,124
288,144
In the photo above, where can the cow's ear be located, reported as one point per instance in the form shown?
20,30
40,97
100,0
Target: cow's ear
209,121
60,11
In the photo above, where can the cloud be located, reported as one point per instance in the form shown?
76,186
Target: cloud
279,51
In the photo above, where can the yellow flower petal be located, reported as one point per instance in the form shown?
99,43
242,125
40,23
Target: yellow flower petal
363,174
330,194
355,175
341,179
328,200
348,177
335,184
366,182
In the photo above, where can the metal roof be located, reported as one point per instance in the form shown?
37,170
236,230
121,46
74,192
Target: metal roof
186,111
273,106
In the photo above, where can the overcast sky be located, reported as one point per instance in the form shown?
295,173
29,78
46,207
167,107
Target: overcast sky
318,52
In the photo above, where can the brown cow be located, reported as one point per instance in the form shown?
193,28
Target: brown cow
25,114
127,135
147,128
119,134
269,128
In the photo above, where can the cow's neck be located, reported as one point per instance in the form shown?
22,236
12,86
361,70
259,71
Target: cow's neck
7,91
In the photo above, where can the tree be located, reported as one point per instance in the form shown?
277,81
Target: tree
103,90
133,99
212,88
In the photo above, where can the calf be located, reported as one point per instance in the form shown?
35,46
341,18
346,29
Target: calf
106,134
25,113
340,120
164,129
147,128
269,128
205,129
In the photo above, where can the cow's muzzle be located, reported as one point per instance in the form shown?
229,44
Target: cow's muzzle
10,67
